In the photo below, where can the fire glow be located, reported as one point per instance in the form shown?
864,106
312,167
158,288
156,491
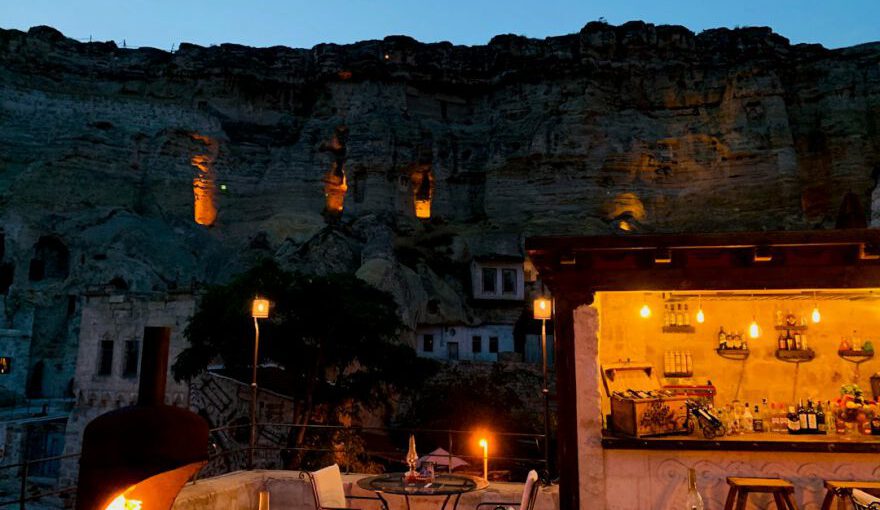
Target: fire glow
123,503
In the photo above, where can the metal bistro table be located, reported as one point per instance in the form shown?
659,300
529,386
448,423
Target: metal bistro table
447,485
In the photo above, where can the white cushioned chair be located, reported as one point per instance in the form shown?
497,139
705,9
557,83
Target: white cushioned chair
863,501
330,493
529,496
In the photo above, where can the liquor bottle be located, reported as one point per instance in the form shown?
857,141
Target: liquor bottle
757,420
679,318
780,417
794,425
797,341
802,417
781,342
693,500
722,338
821,426
687,316
666,314
789,341
812,421
748,420
804,341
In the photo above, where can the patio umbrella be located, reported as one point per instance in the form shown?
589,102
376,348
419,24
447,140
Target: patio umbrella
440,457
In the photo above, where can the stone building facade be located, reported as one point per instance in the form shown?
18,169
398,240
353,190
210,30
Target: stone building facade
108,361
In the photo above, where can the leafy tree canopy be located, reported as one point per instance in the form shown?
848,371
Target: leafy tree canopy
335,336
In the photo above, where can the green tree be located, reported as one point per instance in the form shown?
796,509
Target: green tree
336,337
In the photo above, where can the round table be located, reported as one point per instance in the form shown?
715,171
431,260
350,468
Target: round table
444,485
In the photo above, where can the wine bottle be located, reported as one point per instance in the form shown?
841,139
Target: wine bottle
794,425
693,500
802,417
812,421
821,426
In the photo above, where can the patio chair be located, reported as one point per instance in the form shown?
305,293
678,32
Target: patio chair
861,500
529,496
329,492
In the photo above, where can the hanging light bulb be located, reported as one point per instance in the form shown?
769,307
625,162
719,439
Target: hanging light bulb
645,311
754,330
701,317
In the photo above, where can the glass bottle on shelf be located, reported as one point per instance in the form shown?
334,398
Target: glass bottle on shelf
679,318
748,420
757,420
812,419
687,316
794,425
802,417
781,345
722,338
821,426
693,500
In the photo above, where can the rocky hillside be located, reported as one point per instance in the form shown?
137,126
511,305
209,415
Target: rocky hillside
146,169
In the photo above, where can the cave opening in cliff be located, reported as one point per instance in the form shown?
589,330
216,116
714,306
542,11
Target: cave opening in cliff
204,187
423,193
335,187
51,260
335,181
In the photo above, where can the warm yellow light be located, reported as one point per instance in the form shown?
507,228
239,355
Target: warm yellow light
121,503
645,312
543,309
484,444
260,309
754,330
701,317
423,209
816,315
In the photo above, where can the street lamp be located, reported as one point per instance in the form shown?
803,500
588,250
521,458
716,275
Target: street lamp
259,310
543,310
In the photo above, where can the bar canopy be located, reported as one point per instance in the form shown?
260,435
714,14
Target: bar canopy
574,268
820,259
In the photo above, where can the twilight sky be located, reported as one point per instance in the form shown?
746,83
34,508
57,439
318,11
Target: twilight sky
298,23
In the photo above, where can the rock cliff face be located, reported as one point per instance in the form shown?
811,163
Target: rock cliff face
158,170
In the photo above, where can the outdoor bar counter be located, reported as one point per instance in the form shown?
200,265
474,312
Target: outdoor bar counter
655,306
763,442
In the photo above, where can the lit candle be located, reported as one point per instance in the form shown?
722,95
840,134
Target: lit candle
485,445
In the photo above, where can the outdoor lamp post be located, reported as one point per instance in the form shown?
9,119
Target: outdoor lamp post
259,310
543,310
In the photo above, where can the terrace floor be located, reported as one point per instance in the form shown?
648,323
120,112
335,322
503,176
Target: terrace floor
238,491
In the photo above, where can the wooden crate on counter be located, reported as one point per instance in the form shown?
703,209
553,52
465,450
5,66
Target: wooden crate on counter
642,417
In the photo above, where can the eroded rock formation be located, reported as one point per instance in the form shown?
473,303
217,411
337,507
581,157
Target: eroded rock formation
318,155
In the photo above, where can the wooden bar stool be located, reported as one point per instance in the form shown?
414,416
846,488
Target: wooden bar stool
843,489
740,488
